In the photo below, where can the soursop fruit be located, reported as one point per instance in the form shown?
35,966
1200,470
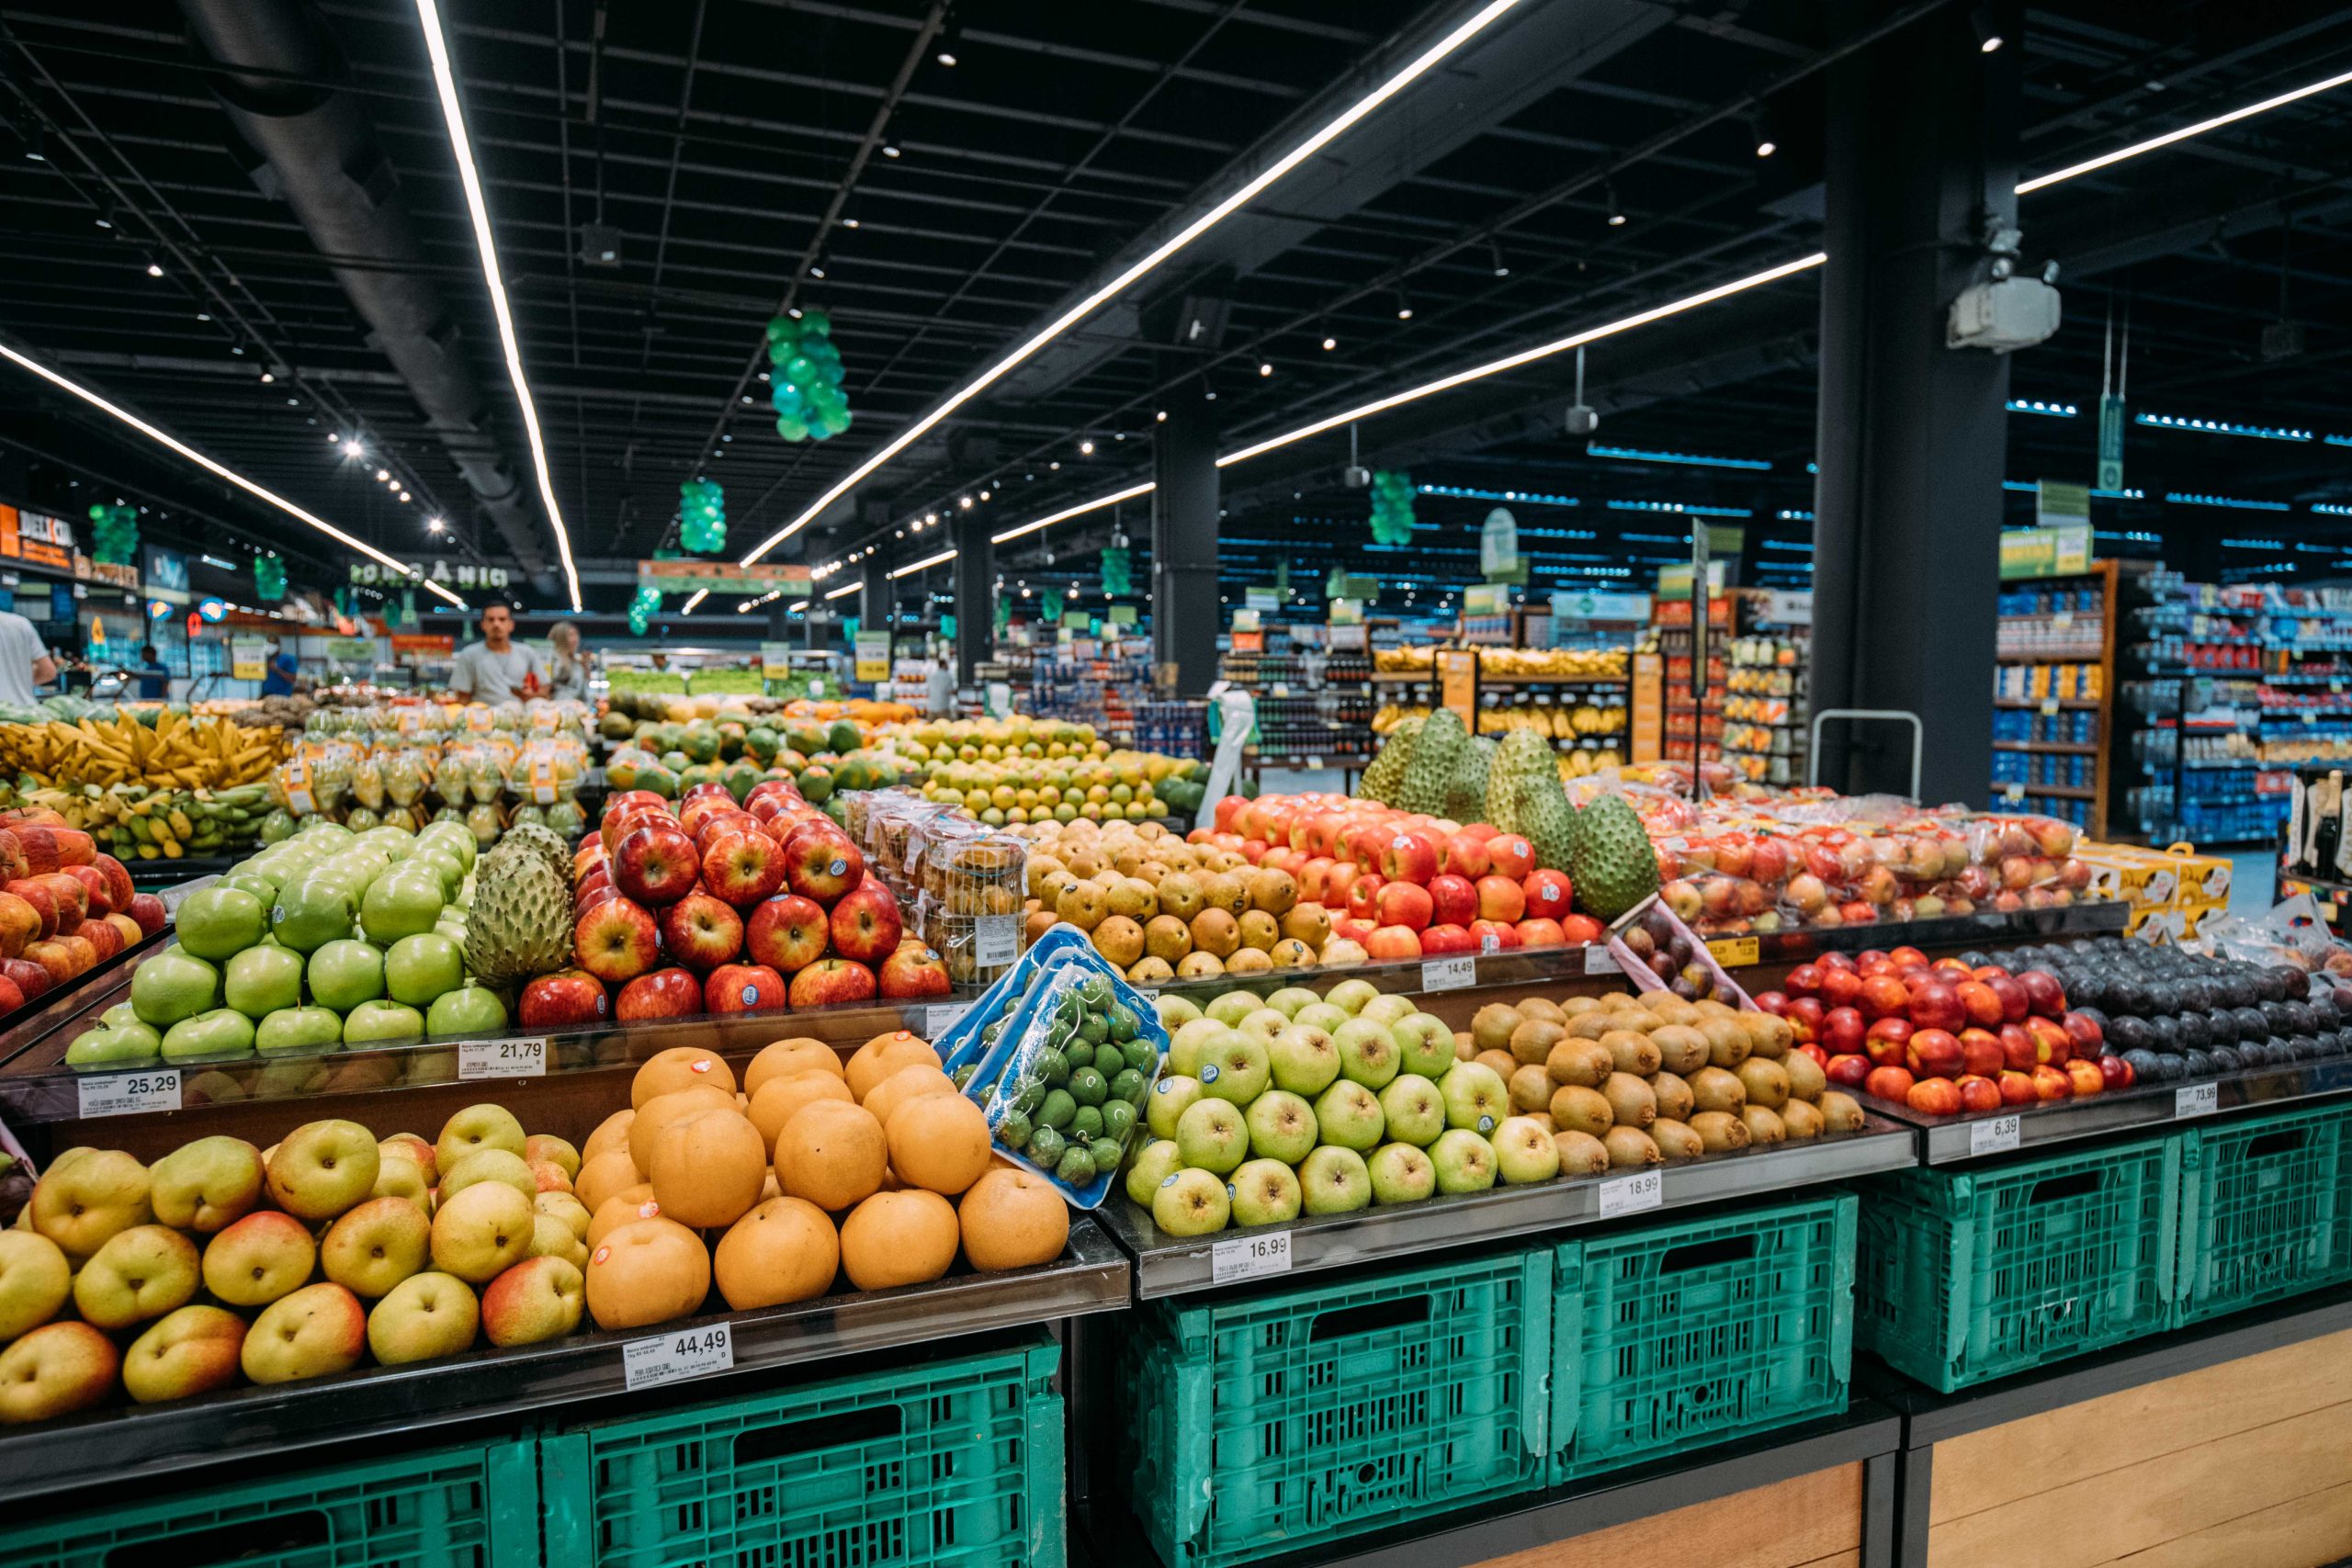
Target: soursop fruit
1615,866
1429,772
1548,821
1387,770
1465,797
542,841
520,926
1524,754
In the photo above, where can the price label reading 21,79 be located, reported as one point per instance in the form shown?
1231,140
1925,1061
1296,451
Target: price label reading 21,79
524,1056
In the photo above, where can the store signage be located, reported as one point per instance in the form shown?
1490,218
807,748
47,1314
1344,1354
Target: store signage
1632,1194
775,660
419,646
1246,621
126,1094
673,1358
1572,605
525,1058
1345,612
247,658
1485,599
351,649
1646,737
1262,598
1457,671
449,574
1498,544
873,656
1122,614
1674,582
1726,538
2110,442
721,577
2062,551
1249,1257
1351,585
36,538
1789,606
166,571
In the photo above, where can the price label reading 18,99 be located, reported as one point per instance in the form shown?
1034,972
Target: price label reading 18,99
524,1057
673,1358
127,1094
1632,1194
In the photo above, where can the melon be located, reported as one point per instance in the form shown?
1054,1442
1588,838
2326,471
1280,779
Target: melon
778,1100
669,1071
645,1272
784,1250
832,1155
800,1055
1012,1219
708,1168
938,1142
899,1238
884,1055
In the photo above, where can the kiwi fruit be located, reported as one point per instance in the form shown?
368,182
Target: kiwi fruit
1654,1002
1707,1008
1491,1029
1630,1148
1712,1088
1674,1103
1579,1109
1530,1088
1502,1063
1675,1142
1541,1010
1571,1006
1800,1120
1681,1048
1584,1061
1631,1053
1466,1049
1581,1154
1630,1100
1769,1035
1764,1126
1533,1039
1841,1112
1590,1024
1674,1010
1765,1082
1807,1080
1633,1020
1727,1041
1719,1131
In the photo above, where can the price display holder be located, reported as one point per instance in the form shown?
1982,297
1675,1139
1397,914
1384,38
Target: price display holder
675,1358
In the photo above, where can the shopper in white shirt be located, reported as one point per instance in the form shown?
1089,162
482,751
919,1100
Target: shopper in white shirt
25,664
498,669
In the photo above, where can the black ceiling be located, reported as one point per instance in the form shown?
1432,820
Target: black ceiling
719,137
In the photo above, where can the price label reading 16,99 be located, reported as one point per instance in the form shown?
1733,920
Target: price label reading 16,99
673,1358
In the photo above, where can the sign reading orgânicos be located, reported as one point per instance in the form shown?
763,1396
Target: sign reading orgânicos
447,573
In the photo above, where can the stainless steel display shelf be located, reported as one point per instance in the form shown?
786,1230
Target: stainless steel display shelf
1172,1266
247,1424
1990,930
1945,1140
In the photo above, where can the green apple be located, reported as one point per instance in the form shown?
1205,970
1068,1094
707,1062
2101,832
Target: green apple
1190,1042
1320,1015
298,1029
390,839
1212,1135
1170,1097
1175,1012
312,911
1524,1152
1265,1192
1191,1202
1414,1109
1475,1098
216,922
1349,995
372,1021
401,903
1334,1181
1465,1161
260,980
421,967
1400,1172
109,1044
1349,1116
1368,1053
470,1010
1388,1008
1425,1042
120,1014
1234,1069
173,985
1282,1126
343,972
1290,998
1230,1008
1264,1024
259,883
1302,1059
1159,1160
223,1032
443,866
453,836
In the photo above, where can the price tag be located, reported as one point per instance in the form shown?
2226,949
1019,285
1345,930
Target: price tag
816,688
526,1057
1313,763
673,1358
2196,1100
2062,620
1998,1137
996,939
127,1094
1632,1194
1599,960
1450,972
1734,951
941,1016
1249,1257
542,781
2014,793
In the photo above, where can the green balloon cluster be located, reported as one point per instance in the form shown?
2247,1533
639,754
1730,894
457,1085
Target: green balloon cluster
643,608
115,534
702,517
269,579
805,375
1392,507
1116,572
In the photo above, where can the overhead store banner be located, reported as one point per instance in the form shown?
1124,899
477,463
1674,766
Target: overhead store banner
721,577
1674,582
1351,586
447,573
2110,442
1485,599
1262,599
1499,546
36,538
1578,605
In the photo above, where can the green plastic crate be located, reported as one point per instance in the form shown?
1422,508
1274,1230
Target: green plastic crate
1273,1421
469,1507
949,1463
1973,1273
1675,1336
2266,1210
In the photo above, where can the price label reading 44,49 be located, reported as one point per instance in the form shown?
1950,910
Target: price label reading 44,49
524,1057
673,1358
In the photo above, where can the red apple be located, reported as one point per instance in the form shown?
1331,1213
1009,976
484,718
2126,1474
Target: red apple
1934,1096
592,896
2044,995
1409,857
127,928
1464,855
1874,961
2051,1083
1404,904
1447,936
1842,1031
655,863
665,993
28,975
1452,900
1509,855
1888,1043
149,911
2016,1088
569,998
820,862
11,999
1807,1013
1836,960
617,940
2016,1047
120,892
1500,898
2083,1032
1363,895
702,932
43,902
753,987
1906,955
1353,930
56,955
102,936
1841,987
1849,1070
1804,980
1546,933
786,933
1932,1053
2116,1072
866,924
97,893
1774,1002
2015,1004
743,868
2086,1077
1494,936
1549,893
832,980
1582,929
1889,1083
1390,943
1980,1053
913,970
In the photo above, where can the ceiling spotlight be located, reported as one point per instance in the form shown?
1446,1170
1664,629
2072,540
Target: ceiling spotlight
1494,254
267,377
964,501
1759,124
1404,306
1265,370
404,495
1616,214
1329,344
951,39
889,150
1086,448
352,449
851,223
154,270
433,525
1054,465
102,223
984,495
816,269
902,534
1980,21
382,474
931,516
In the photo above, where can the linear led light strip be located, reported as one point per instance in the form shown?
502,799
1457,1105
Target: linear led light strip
1723,291
406,572
445,81
1476,23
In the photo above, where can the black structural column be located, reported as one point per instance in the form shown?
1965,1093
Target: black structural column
975,587
1913,436
1184,615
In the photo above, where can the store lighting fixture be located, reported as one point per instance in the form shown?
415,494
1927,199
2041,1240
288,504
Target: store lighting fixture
846,588
1467,492
1114,498
1329,344
1690,459
2134,150
889,150
922,565
1988,37
1494,256
1404,306
1265,370
223,471
2331,509
2253,544
382,474
1404,76
2221,427
445,83
433,525
1766,144
796,606
699,595
2036,405
1793,514
1615,210
2234,502
1086,448
1688,508
154,270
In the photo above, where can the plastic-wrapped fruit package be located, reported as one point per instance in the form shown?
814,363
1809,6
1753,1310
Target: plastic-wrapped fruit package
1067,1074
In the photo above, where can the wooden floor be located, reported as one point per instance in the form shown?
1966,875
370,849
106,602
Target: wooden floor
1809,1522
2244,1465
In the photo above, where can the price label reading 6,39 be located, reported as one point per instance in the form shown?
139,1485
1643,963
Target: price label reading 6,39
673,1358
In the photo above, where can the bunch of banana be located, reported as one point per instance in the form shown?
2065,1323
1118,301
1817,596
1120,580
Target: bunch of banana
134,820
191,752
